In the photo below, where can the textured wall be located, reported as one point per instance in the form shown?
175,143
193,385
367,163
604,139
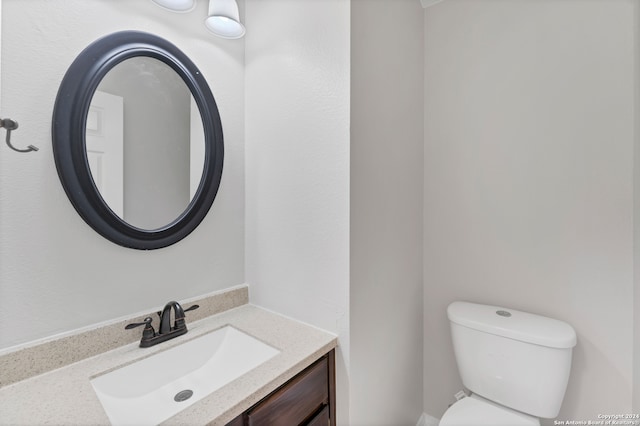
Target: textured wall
386,212
636,219
297,164
529,112
56,273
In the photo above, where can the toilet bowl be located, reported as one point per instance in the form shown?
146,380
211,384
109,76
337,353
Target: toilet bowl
516,365
477,411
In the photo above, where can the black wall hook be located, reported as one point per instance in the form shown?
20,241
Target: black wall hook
10,125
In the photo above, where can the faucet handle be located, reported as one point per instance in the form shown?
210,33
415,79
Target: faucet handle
192,308
148,331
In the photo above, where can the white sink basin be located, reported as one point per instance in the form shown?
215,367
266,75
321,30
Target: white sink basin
153,389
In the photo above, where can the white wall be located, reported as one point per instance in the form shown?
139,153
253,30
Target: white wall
297,164
56,273
1,116
636,218
386,213
529,112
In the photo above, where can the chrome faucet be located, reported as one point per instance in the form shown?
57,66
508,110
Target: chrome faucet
165,331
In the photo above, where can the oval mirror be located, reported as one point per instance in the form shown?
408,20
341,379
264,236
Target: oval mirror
137,140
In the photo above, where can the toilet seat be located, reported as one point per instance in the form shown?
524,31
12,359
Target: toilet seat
477,411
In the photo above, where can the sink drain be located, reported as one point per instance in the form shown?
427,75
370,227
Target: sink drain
183,395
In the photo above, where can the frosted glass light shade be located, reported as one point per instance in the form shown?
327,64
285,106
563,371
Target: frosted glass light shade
176,5
224,19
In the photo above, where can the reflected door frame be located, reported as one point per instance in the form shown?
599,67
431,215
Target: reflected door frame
105,148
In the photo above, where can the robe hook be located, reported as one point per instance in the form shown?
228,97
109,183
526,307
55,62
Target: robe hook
10,125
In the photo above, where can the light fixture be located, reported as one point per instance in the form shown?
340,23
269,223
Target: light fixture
181,6
224,19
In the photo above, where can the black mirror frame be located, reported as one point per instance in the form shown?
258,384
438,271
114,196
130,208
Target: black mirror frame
69,142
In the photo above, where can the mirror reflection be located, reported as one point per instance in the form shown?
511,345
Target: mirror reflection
145,142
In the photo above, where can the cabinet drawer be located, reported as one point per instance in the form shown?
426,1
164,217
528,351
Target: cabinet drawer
320,419
296,401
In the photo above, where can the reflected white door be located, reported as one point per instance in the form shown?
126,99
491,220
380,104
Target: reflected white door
105,148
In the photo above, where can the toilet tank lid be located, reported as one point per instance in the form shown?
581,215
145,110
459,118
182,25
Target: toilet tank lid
513,324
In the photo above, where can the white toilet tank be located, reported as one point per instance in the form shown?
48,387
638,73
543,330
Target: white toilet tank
517,359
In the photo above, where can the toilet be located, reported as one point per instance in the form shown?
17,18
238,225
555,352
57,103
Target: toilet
515,364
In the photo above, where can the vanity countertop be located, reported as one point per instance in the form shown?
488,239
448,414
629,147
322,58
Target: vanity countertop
65,395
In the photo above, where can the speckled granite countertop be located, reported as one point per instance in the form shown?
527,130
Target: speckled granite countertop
65,395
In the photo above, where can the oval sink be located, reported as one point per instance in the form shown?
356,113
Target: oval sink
153,389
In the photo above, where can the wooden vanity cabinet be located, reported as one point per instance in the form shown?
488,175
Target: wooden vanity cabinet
308,399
